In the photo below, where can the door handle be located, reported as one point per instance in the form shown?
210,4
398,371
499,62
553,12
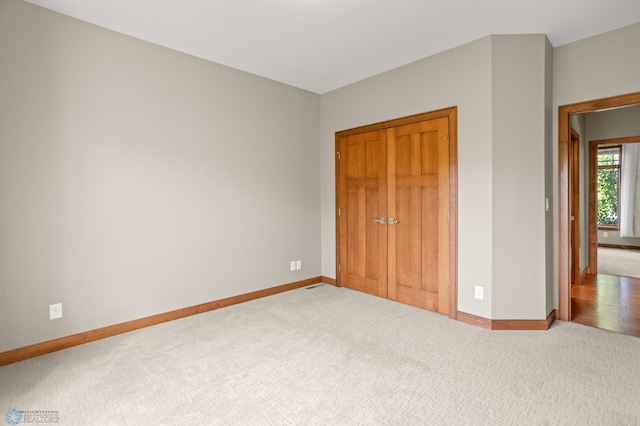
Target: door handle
393,221
381,220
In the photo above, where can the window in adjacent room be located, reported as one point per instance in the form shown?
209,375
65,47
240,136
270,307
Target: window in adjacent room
608,185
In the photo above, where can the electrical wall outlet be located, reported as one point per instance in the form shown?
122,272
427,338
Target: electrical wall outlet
605,234
479,292
55,311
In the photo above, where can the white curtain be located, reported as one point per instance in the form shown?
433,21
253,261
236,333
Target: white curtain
628,179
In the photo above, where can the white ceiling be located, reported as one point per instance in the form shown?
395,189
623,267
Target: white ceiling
321,45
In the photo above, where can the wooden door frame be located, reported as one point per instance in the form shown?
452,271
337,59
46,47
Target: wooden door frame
574,185
593,192
564,231
452,114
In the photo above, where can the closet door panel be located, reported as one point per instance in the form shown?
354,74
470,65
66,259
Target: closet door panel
418,176
394,233
362,203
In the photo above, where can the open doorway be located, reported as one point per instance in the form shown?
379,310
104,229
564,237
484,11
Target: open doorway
613,235
564,199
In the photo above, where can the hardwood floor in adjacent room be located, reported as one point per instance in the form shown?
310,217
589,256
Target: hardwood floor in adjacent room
608,302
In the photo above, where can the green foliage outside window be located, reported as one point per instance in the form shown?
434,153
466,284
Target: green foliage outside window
608,179
608,197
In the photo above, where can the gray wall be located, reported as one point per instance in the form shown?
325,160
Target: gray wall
518,193
548,178
460,77
616,123
593,68
614,238
135,180
499,86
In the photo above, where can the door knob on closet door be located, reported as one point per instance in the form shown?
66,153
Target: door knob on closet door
381,220
393,221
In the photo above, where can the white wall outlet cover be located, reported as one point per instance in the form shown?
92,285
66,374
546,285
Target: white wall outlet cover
55,311
479,293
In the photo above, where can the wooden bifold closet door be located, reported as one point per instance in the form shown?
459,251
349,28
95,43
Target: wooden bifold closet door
394,212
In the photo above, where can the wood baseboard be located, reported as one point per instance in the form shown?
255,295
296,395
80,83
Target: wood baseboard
327,280
474,320
524,324
584,274
507,324
32,351
619,246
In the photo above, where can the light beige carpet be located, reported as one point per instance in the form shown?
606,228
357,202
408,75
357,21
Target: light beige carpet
331,356
621,262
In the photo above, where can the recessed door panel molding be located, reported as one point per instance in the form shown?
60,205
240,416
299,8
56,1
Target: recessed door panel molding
396,210
419,197
362,190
